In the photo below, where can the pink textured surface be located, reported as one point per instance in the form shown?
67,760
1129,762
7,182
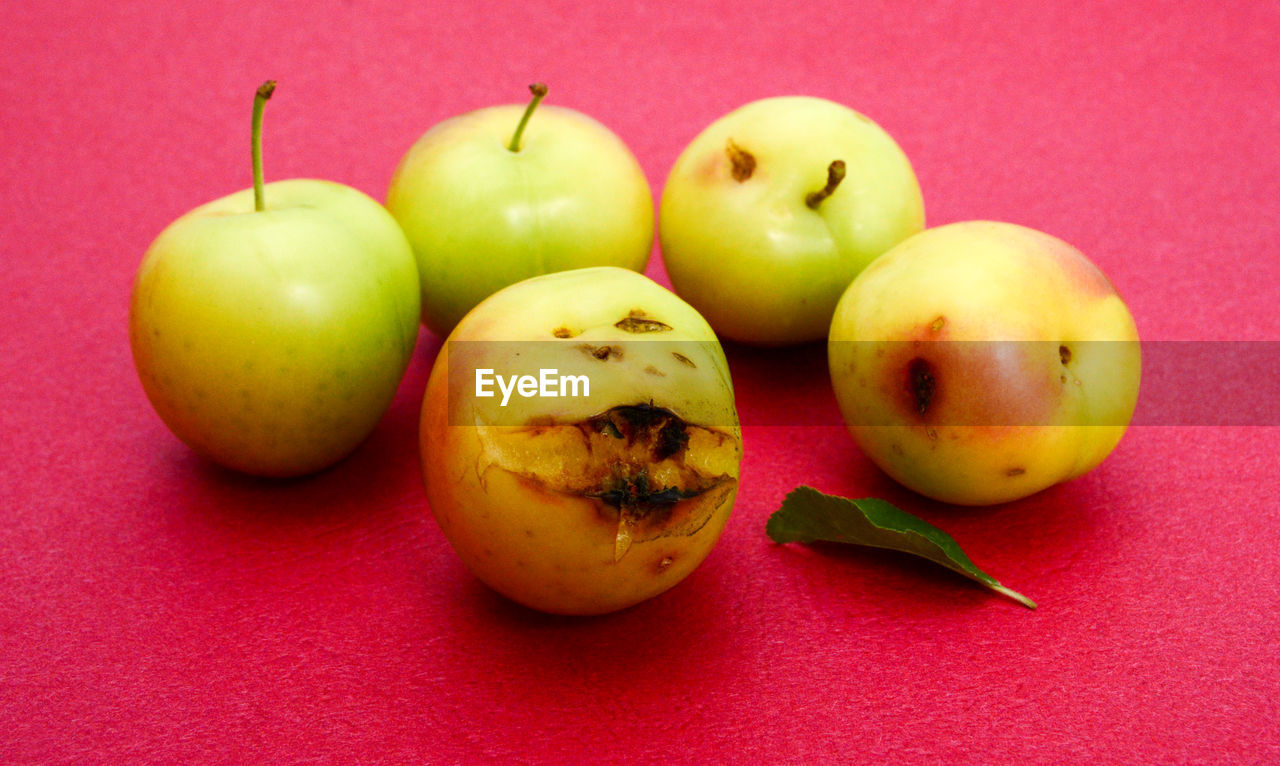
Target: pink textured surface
157,609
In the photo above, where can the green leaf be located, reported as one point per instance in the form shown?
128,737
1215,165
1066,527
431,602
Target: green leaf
807,515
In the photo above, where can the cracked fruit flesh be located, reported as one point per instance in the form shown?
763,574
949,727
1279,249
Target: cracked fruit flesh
592,503
980,362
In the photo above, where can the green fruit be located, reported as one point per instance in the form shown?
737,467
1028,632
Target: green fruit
762,234
271,338
483,209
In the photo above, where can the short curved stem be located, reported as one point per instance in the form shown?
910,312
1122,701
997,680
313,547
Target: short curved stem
539,91
835,174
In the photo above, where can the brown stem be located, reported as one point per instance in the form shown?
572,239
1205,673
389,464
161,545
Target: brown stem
835,174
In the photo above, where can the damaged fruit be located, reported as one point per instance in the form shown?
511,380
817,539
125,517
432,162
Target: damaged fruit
981,362
774,208
588,498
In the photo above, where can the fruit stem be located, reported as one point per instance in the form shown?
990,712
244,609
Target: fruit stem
539,91
255,132
835,174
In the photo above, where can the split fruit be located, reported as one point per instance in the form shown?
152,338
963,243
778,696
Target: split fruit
579,440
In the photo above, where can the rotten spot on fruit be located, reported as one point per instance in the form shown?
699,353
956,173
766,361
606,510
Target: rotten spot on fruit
742,163
682,359
649,473
601,352
921,384
937,324
1064,354
651,370
563,332
637,322
664,563
606,426
1015,472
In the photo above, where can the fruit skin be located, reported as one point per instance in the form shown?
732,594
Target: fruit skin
553,550
480,216
1003,420
272,342
750,255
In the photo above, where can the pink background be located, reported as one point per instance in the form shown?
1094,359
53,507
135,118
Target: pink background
154,608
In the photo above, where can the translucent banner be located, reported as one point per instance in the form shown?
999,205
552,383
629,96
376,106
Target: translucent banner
914,383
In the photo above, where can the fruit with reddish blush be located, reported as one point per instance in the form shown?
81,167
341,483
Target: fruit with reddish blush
981,362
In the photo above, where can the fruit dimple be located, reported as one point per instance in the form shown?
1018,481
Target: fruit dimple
742,162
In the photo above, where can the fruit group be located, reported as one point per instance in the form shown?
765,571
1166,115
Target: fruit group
981,362
272,338
773,209
485,204
582,504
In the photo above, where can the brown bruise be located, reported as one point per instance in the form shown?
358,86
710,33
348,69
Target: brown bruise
921,382
639,322
603,353
934,381
648,472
